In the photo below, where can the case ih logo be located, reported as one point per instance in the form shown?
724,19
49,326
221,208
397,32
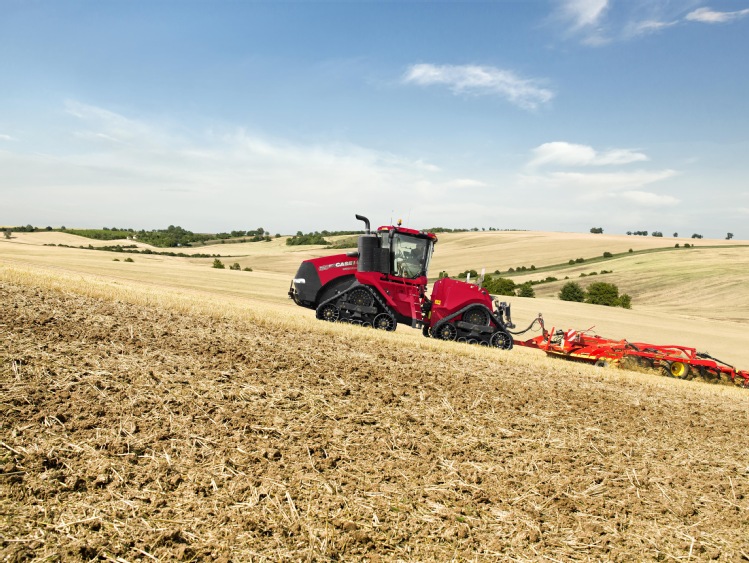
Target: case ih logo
337,265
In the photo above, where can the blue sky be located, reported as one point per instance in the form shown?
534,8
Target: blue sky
542,115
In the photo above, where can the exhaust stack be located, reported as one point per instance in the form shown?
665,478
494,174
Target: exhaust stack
366,223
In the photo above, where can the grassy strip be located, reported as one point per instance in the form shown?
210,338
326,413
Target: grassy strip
598,259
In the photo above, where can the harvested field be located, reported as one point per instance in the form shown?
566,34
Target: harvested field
142,432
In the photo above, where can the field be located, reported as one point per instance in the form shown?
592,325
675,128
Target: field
164,410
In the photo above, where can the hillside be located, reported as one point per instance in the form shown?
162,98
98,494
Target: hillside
141,424
696,297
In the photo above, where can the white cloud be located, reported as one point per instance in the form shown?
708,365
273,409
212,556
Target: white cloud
464,183
475,79
647,26
649,199
114,169
706,15
583,13
571,154
6,137
593,23
624,186
598,182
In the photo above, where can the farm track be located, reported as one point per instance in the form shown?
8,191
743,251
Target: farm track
142,434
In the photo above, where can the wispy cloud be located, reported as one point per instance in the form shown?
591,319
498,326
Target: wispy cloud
644,27
6,137
595,22
481,80
115,166
583,13
465,183
626,186
706,15
649,199
572,154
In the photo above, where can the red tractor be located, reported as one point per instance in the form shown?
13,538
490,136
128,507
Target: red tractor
384,283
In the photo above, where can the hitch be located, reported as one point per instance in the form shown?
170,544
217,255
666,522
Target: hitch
503,313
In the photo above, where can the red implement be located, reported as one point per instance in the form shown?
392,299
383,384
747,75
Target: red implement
671,360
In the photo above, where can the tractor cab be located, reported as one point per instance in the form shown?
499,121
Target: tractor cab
396,251
410,251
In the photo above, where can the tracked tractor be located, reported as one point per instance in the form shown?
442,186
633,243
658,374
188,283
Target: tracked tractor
384,282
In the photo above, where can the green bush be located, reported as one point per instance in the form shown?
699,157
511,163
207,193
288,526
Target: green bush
247,269
218,264
499,286
526,290
572,291
128,259
235,266
608,255
603,293
309,238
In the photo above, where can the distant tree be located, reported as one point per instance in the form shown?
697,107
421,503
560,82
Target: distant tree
499,286
597,230
602,293
695,235
729,236
657,234
128,259
526,290
8,232
572,291
676,235
629,232
676,245
443,274
608,255
218,264
473,273
235,266
625,301
247,269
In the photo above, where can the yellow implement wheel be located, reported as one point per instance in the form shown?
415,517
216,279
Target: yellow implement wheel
679,369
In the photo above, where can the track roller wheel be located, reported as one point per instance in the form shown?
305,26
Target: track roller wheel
476,316
328,313
384,321
361,297
446,332
501,340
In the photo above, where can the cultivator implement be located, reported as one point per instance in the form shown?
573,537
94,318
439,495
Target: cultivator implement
670,360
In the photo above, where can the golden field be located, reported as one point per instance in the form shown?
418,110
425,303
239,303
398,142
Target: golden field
164,410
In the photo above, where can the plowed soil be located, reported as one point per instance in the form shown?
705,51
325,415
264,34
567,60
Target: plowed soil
134,433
